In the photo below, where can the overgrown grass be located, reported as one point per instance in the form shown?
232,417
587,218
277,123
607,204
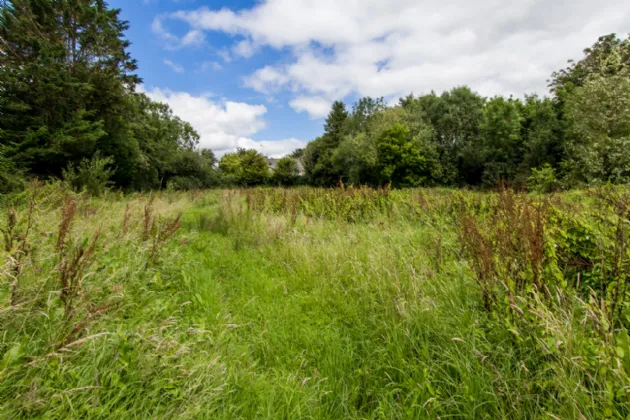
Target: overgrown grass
310,303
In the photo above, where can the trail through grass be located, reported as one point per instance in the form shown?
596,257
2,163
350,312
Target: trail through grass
282,315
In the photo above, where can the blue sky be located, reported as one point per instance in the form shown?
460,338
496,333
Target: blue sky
263,73
203,70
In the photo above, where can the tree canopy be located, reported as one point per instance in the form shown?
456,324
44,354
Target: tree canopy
68,94
69,103
579,133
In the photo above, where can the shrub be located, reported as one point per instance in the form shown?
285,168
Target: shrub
543,180
183,183
91,175
286,171
11,179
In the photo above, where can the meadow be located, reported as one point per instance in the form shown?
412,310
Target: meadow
315,303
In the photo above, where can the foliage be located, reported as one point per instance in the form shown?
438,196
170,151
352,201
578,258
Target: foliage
318,155
380,293
488,142
500,128
456,117
543,180
599,113
286,171
406,161
607,57
70,92
543,137
248,167
11,178
65,75
90,175
67,82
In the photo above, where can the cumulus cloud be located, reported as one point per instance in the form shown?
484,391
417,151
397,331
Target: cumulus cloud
174,66
315,106
245,48
267,80
223,125
192,38
210,65
391,48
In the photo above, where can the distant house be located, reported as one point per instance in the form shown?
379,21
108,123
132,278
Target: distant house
274,162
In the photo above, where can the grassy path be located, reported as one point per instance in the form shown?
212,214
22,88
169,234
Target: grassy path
259,315
329,323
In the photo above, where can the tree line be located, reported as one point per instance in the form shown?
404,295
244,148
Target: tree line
69,105
70,109
579,135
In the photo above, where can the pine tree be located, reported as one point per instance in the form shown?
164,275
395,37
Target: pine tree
335,126
65,75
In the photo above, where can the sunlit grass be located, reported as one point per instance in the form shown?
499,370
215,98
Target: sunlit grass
276,313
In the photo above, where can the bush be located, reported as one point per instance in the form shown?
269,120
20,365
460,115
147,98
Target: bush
11,179
543,180
183,183
91,175
286,172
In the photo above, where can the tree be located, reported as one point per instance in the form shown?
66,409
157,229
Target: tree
297,154
209,156
503,144
286,172
336,124
318,155
356,158
607,57
456,117
362,112
90,175
248,167
404,161
542,135
230,165
64,77
599,116
163,140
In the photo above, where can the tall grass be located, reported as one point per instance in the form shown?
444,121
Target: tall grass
313,303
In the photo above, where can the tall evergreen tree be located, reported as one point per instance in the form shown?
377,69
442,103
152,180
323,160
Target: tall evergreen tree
318,156
64,76
336,124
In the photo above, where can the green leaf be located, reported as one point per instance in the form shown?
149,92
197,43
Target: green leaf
12,356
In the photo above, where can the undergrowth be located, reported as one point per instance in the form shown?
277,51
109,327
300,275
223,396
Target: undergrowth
315,303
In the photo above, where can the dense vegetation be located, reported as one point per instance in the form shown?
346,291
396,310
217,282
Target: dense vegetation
70,107
68,101
580,135
315,303
351,302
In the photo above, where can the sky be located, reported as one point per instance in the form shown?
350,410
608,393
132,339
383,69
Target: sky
263,74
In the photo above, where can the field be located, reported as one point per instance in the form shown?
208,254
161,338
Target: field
312,303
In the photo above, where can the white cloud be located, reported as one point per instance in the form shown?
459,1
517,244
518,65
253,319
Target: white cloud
391,48
315,106
225,125
174,66
267,80
225,55
245,49
210,65
273,148
157,27
194,37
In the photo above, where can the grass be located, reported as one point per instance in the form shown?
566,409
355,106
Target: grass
296,306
